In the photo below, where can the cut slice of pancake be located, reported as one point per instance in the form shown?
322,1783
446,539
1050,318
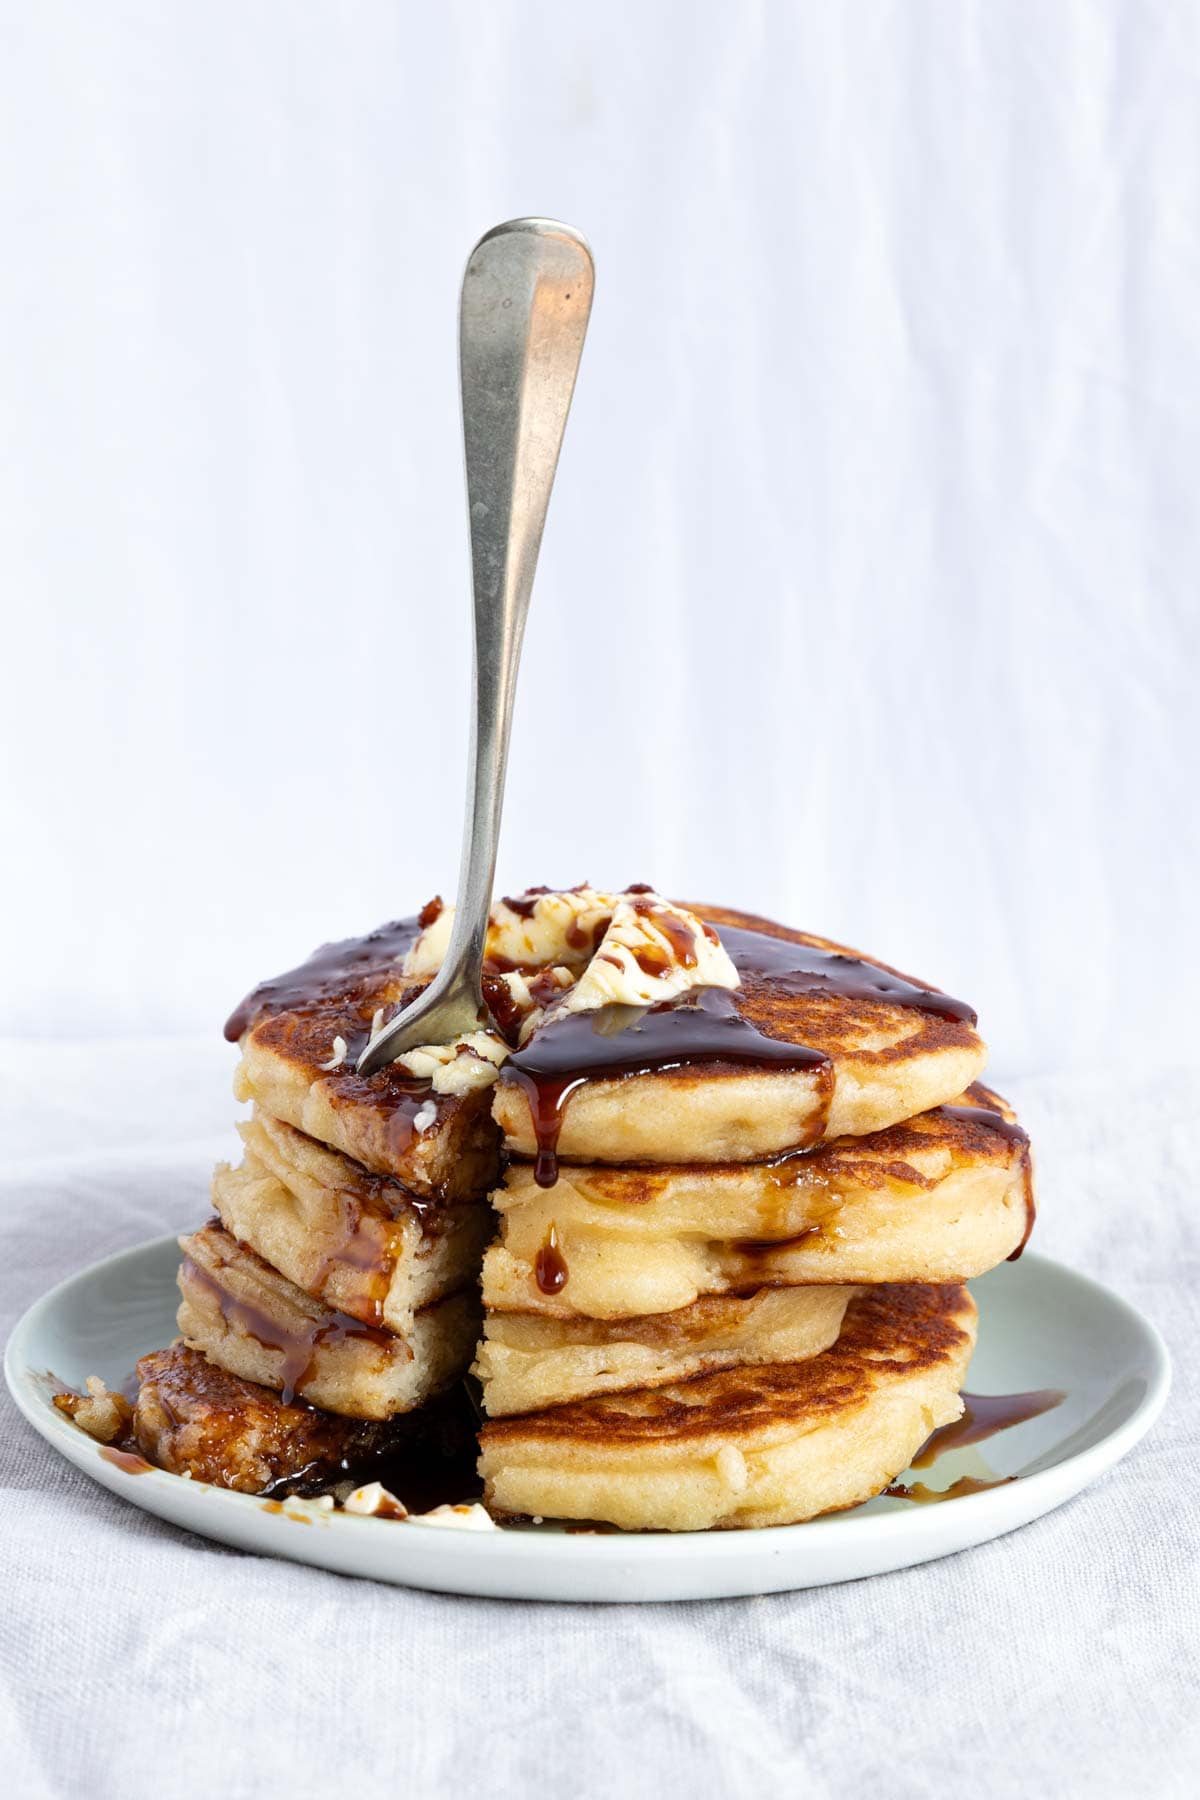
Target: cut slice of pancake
193,1418
442,1145
880,1048
526,1362
746,1447
941,1198
301,1034
363,1243
247,1318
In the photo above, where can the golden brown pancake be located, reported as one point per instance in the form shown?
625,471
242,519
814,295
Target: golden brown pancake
247,1318
196,1419
441,1145
749,1446
526,1362
363,1243
288,1028
940,1198
881,1048
887,1048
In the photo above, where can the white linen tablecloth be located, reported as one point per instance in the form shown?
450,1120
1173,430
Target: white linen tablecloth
137,1660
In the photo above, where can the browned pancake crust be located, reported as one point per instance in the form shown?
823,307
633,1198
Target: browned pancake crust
345,998
834,1023
392,1097
294,1018
346,980
900,1328
192,1418
455,1156
871,1162
306,1038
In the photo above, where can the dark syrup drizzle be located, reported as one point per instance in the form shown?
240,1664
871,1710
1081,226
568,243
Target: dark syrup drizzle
298,1349
129,1460
426,1458
355,1250
807,969
703,1026
550,1265
330,973
1013,1134
923,1495
983,1416
366,1244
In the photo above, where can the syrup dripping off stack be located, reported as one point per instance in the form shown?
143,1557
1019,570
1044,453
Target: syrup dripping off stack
330,1308
734,1225
728,1285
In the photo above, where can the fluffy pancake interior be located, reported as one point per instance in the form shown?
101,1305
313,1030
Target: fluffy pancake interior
248,1319
361,1242
527,1362
445,1146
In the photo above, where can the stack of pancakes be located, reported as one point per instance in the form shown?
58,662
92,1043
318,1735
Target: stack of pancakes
733,1232
730,1294
341,1270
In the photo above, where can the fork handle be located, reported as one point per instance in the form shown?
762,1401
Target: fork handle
526,297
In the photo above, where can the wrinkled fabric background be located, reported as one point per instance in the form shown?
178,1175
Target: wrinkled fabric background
868,599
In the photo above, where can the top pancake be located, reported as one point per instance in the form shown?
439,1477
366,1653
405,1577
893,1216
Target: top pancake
848,1046
882,1057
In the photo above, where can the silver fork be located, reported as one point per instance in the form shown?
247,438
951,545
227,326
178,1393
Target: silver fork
526,297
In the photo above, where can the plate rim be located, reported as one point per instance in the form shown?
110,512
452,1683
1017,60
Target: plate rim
917,1526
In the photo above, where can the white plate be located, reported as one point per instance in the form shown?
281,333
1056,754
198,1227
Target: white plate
1041,1326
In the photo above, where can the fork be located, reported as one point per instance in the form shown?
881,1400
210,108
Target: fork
523,316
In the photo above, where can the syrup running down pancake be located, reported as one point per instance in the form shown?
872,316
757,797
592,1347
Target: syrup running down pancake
816,1043
363,1243
248,1319
942,1197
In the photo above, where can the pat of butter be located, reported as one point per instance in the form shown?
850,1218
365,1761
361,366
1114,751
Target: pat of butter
630,949
651,952
543,929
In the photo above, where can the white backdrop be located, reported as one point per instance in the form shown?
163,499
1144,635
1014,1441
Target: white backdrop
868,596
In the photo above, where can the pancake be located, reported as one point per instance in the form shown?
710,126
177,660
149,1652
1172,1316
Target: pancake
248,1319
444,1146
880,1048
747,1447
816,1043
363,1243
526,1363
943,1197
192,1418
441,1145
